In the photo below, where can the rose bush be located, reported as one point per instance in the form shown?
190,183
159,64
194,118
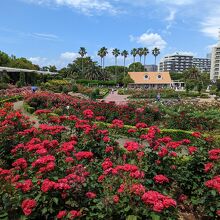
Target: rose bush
70,168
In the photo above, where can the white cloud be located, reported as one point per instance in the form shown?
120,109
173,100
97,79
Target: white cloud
150,40
210,27
177,2
172,14
45,36
61,61
85,6
69,56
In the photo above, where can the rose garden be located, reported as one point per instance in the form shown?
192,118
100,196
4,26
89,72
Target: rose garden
87,159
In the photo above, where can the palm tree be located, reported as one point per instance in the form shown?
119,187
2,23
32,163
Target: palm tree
140,53
145,53
116,53
134,53
124,53
82,52
102,53
156,52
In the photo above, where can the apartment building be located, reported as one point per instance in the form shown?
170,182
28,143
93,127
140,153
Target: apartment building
203,64
179,63
176,63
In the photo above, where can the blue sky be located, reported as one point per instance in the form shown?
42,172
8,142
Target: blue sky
51,31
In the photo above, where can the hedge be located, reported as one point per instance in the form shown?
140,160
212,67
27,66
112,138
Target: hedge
12,99
175,134
96,82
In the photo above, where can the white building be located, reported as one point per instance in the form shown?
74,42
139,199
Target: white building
203,64
215,65
176,63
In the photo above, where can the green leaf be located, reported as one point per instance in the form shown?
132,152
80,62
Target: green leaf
213,192
131,217
44,210
56,200
155,216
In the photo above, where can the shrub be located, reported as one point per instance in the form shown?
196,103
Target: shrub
74,88
3,85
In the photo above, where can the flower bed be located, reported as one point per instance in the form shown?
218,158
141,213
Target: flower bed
70,168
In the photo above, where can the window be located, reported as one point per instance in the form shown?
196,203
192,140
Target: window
159,76
146,77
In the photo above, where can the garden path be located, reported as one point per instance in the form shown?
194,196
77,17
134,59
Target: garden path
115,97
78,95
19,105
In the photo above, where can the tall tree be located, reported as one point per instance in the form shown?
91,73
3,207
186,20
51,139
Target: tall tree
134,53
124,53
140,53
102,53
156,52
116,53
145,53
82,53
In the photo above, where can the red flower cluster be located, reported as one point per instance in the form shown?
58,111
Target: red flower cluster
46,163
141,125
196,134
158,201
90,195
208,167
214,154
25,186
42,111
161,179
138,189
107,164
132,146
192,149
214,183
116,123
88,113
28,205
20,163
56,129
84,155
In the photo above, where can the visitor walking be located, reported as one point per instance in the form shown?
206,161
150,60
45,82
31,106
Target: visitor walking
158,97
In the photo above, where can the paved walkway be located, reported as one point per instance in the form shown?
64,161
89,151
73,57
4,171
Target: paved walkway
19,105
115,97
78,95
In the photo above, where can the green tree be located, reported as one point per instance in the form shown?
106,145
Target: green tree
137,66
124,53
22,79
103,53
127,79
156,52
82,53
199,86
52,68
140,53
134,53
145,53
218,85
116,53
4,59
192,73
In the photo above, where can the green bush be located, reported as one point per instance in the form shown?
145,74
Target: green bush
74,88
3,85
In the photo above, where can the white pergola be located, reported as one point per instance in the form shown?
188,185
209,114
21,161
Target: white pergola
18,70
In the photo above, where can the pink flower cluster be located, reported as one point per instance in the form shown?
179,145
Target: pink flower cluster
28,205
158,201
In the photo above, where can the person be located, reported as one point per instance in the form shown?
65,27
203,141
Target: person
158,97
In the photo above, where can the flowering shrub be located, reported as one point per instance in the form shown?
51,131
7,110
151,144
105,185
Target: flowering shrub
70,168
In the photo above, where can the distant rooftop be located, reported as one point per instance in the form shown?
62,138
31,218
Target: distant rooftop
12,70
